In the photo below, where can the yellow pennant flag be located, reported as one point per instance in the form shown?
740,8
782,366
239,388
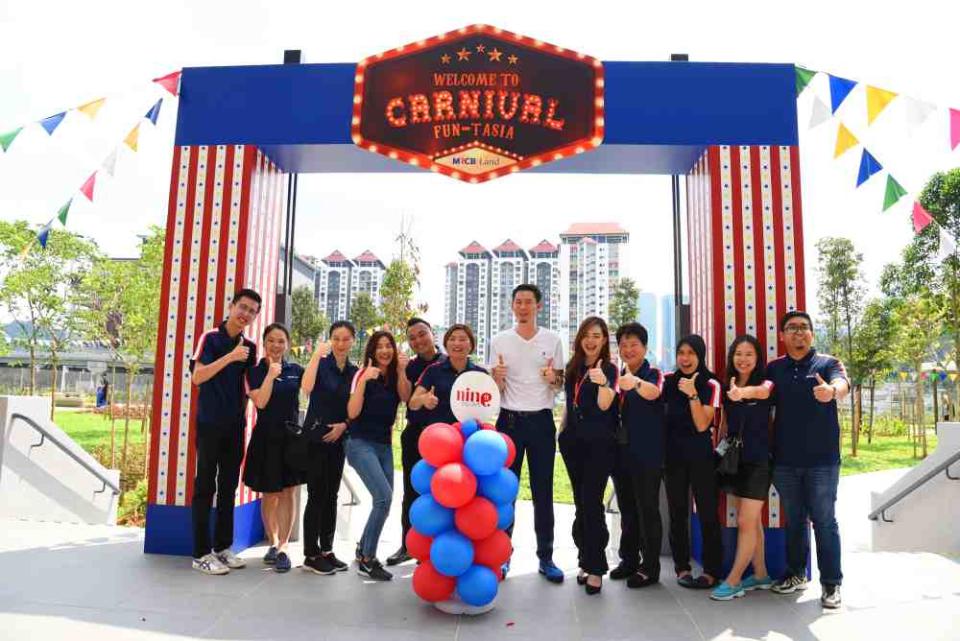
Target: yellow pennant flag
845,141
877,101
953,376
903,376
132,137
91,108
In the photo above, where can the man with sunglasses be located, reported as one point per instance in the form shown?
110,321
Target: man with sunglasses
806,388
218,368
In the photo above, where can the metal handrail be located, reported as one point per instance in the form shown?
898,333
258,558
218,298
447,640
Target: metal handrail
44,434
880,512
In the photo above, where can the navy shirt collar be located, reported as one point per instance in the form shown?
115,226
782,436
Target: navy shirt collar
806,357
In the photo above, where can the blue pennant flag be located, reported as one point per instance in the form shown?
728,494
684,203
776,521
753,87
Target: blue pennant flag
51,123
840,88
868,167
43,235
154,112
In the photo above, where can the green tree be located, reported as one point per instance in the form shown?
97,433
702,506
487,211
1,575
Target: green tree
363,315
307,322
874,349
396,296
624,306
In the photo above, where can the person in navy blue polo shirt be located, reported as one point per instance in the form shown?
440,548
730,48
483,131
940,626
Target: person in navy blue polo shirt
275,390
639,470
421,341
327,382
377,390
218,368
588,444
806,453
692,397
431,394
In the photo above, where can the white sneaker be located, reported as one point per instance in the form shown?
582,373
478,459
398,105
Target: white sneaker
231,560
210,564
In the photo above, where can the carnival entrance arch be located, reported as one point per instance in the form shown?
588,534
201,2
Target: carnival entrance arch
730,129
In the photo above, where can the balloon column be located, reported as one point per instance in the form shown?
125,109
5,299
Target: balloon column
466,501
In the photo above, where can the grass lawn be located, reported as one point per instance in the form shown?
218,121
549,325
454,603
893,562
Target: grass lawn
91,430
886,452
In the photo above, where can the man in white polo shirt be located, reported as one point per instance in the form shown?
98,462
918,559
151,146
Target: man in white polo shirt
527,363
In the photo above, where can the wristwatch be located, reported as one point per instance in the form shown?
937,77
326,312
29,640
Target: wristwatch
693,397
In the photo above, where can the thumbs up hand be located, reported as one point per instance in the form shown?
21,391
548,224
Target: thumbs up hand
734,393
322,349
547,374
274,370
823,391
371,372
628,381
500,371
689,385
402,360
431,401
596,375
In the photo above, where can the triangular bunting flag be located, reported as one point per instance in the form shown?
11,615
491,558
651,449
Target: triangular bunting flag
840,88
917,112
820,113
920,218
7,139
43,235
868,167
845,141
170,82
87,188
804,76
954,128
110,162
132,137
91,108
947,246
62,214
154,112
893,193
877,101
52,122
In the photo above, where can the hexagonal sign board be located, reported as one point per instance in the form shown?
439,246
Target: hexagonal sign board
478,103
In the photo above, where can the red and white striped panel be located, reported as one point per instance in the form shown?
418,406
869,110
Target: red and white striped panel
210,231
745,256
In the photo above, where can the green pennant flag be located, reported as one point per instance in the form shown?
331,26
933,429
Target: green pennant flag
804,76
7,139
893,193
62,214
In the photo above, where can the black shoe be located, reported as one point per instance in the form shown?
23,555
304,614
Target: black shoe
639,580
830,597
398,557
592,589
622,571
337,564
318,565
581,579
374,570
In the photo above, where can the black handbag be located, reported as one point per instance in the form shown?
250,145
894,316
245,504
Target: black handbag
296,446
730,449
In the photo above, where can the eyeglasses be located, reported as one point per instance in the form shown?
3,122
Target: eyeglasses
796,329
246,309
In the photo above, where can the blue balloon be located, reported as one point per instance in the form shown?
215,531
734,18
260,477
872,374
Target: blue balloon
451,553
485,452
468,427
477,586
429,517
504,516
420,476
500,487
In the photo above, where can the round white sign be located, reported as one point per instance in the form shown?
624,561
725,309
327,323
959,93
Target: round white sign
475,395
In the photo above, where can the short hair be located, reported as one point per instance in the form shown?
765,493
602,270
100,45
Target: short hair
795,313
633,329
526,287
345,324
246,292
415,320
272,326
464,328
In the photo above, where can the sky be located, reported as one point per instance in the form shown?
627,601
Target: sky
59,55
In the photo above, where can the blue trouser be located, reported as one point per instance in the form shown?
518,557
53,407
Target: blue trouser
811,492
374,464
535,434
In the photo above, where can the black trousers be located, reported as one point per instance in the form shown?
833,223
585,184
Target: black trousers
589,464
324,471
219,454
629,549
409,456
646,489
701,478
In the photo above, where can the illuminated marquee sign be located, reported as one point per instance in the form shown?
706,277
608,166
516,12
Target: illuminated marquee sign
478,103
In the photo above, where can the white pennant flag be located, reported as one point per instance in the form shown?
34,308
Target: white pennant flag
917,112
820,113
947,246
110,164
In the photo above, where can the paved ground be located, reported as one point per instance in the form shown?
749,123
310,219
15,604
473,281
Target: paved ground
93,582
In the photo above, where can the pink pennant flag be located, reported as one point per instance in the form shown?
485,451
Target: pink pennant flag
954,128
920,217
170,82
87,188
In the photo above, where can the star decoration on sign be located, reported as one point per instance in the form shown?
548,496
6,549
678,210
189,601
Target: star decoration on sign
445,59
463,54
495,55
512,59
481,48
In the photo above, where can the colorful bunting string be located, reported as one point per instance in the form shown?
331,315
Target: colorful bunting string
51,123
91,108
170,82
132,137
954,128
820,113
877,101
840,88
868,167
893,193
7,139
154,112
921,218
62,214
804,76
87,188
845,141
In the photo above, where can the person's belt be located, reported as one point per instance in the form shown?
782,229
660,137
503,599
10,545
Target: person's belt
524,412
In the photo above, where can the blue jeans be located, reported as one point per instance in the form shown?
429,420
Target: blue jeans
811,492
374,464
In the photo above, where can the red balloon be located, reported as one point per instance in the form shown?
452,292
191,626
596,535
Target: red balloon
418,545
440,444
477,519
488,426
430,585
453,485
511,449
493,551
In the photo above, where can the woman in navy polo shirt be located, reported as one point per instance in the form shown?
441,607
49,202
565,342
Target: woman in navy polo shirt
377,389
588,444
692,395
327,382
275,390
747,415
432,393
